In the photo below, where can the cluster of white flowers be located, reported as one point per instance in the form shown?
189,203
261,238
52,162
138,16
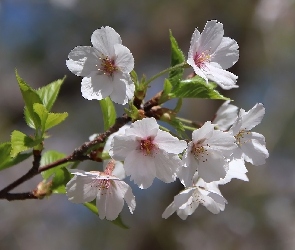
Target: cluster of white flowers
216,154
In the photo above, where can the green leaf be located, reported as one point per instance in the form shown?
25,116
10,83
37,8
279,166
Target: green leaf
92,207
166,91
49,157
134,77
196,87
49,93
177,57
21,142
55,119
30,97
29,119
6,160
48,120
61,177
41,111
108,112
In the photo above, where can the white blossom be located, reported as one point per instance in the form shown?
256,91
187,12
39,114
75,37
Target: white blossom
225,116
187,201
207,153
109,191
148,152
210,54
105,67
251,145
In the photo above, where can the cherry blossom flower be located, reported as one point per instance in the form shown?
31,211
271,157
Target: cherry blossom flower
109,191
210,54
225,116
148,152
251,145
105,67
207,153
187,201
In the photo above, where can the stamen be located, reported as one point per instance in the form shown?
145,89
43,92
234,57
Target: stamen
147,146
202,58
107,66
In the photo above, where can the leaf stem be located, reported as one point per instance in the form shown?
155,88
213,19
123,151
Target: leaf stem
181,65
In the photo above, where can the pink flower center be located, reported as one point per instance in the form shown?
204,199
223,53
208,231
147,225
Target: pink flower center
108,66
147,145
201,59
101,184
240,137
199,152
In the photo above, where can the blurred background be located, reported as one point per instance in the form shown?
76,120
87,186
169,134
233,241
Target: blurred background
36,37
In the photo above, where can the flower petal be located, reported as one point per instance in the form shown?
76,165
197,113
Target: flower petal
124,58
143,128
110,202
123,88
227,53
253,117
104,39
80,189
82,61
121,147
96,86
169,143
169,210
211,37
223,78
141,168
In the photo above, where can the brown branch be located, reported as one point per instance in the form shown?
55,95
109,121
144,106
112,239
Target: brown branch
79,154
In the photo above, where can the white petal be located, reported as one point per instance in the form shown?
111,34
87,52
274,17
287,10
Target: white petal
184,196
254,149
82,61
128,195
211,37
80,189
225,116
169,143
104,39
141,168
121,146
236,169
110,202
198,71
185,174
123,88
227,53
213,167
253,117
222,141
169,211
211,205
143,128
124,60
96,86
194,45
223,78
166,166
202,133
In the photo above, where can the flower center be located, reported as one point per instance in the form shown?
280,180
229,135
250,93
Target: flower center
200,153
108,66
101,184
240,136
201,58
147,146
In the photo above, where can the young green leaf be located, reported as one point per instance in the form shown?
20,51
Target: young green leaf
55,119
8,161
60,180
21,142
41,111
49,93
177,57
30,97
108,112
196,87
49,157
